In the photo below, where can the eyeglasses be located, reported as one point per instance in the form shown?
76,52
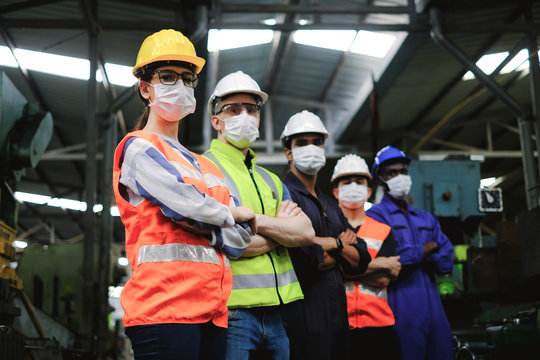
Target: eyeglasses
237,108
170,77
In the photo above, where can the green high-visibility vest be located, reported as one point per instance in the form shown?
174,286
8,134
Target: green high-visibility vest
268,279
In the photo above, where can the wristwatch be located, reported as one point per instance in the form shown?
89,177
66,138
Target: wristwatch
339,244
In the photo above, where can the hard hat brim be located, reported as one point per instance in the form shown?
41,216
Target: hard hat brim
195,60
368,175
261,94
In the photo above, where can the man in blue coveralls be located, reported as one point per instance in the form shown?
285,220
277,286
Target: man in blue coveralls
422,327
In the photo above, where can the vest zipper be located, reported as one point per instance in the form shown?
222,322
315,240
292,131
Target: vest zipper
250,169
247,162
275,277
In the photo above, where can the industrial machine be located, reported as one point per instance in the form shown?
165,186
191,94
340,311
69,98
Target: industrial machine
492,297
25,132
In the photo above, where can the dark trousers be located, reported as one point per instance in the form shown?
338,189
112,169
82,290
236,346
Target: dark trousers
178,341
378,343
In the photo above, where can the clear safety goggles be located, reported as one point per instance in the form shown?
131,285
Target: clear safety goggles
237,108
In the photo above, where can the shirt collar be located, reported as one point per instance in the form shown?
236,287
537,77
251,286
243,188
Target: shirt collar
230,152
294,184
393,208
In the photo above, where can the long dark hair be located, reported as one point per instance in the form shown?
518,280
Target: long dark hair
145,74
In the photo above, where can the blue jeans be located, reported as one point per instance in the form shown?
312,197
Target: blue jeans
256,333
177,341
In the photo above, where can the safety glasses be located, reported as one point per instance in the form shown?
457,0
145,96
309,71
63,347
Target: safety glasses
170,77
237,108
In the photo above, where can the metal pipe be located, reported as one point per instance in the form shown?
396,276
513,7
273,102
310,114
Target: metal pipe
106,229
530,174
268,127
534,75
90,191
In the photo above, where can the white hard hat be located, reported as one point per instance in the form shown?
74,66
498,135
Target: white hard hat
350,164
303,122
236,82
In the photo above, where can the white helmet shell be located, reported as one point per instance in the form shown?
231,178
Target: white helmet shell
304,122
350,164
236,82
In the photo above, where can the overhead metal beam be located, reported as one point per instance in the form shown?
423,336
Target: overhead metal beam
458,78
279,55
439,37
343,8
525,125
127,25
25,5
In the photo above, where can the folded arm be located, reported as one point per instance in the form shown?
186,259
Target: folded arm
290,227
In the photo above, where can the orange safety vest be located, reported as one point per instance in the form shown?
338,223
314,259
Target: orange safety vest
368,306
177,276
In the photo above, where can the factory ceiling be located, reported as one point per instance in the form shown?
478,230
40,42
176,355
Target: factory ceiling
411,92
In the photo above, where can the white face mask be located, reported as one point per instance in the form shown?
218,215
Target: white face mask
241,130
353,195
173,102
309,159
399,186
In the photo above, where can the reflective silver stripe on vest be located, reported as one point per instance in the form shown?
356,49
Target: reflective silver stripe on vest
374,291
373,244
259,281
227,261
228,180
269,180
212,180
178,252
349,286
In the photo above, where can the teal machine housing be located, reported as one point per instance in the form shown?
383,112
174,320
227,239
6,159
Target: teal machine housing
504,325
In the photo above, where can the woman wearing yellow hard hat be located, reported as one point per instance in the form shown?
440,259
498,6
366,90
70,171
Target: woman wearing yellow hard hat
180,223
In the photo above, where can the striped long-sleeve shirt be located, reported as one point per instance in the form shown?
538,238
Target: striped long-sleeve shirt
147,174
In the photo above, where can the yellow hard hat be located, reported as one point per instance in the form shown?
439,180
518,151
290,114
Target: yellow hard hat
167,45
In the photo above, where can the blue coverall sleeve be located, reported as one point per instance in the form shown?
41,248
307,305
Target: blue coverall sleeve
410,251
443,258
286,194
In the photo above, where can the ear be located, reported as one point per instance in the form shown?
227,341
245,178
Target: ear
336,192
288,154
217,123
144,89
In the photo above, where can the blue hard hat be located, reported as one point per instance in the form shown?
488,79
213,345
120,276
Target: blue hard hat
385,154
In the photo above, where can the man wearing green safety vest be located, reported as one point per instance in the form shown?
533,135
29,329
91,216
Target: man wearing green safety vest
263,278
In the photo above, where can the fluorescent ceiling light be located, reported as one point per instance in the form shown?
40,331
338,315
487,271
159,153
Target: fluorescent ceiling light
232,39
372,44
488,63
123,261
61,203
66,66
268,22
304,22
328,39
20,244
362,42
487,182
519,62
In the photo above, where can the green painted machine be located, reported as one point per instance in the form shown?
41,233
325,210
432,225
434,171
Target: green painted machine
25,132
